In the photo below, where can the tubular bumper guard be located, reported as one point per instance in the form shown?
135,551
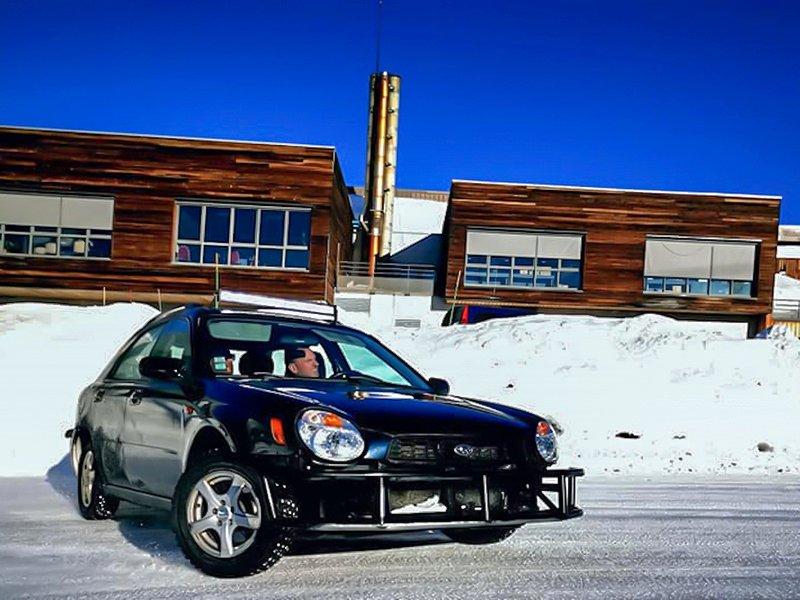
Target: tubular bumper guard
551,496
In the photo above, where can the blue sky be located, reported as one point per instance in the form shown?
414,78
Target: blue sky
677,95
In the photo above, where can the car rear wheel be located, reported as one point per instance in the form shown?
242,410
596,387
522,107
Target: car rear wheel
93,503
223,520
479,535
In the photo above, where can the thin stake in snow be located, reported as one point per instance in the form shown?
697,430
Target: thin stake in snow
455,297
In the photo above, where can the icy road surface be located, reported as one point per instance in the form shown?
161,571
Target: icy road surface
676,539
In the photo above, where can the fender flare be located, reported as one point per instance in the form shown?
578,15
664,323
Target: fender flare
201,427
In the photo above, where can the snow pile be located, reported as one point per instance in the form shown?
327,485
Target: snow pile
49,354
644,395
786,288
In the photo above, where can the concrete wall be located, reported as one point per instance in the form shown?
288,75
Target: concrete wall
375,312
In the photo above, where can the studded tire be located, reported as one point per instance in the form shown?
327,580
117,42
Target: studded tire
93,502
269,542
479,535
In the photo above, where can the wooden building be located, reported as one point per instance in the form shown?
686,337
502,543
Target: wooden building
789,250
90,215
610,251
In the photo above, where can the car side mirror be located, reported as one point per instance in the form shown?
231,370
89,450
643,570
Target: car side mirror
160,367
440,386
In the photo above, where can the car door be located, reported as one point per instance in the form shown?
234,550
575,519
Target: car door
110,400
152,433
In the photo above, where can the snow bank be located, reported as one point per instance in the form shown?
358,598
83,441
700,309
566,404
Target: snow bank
786,288
683,398
49,354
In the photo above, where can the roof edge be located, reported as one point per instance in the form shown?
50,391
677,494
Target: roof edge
412,193
160,137
577,188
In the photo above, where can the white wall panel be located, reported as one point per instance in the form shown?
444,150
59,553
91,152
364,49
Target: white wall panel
413,215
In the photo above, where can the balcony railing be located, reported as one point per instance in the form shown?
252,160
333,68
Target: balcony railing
389,278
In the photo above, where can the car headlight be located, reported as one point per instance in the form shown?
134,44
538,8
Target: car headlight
546,442
329,436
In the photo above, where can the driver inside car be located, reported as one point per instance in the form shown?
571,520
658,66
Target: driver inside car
301,362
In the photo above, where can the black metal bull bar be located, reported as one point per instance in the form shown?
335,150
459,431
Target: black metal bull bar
551,496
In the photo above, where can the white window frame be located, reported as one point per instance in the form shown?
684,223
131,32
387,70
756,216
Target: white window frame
87,234
709,279
230,244
534,267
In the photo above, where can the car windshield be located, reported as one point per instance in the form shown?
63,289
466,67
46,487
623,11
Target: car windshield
242,346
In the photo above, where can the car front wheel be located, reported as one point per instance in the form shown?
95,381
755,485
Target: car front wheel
223,520
92,500
479,535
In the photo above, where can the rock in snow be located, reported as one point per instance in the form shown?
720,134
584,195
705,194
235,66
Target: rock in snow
701,400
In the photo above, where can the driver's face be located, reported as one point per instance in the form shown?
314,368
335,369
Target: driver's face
307,366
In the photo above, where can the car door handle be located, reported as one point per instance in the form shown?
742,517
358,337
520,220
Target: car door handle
135,397
98,395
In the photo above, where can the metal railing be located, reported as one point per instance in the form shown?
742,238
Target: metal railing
390,278
786,310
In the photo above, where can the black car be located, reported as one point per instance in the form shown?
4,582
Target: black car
253,425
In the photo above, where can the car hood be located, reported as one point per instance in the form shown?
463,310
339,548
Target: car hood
401,411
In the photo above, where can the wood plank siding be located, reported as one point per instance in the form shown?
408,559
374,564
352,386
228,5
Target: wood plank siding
146,175
789,266
615,224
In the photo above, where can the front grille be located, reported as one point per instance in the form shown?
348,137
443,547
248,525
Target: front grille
413,450
445,451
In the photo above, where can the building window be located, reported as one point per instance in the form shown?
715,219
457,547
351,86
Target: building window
523,259
699,267
243,236
55,226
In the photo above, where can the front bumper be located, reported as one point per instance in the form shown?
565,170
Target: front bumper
341,502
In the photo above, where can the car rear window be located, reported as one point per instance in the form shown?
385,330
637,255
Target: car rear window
245,331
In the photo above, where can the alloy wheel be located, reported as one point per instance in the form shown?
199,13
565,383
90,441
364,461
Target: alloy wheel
223,513
87,478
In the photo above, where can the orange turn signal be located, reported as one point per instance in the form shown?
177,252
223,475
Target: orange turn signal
276,428
331,420
542,428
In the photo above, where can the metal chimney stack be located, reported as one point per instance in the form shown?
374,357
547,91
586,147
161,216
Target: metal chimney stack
379,182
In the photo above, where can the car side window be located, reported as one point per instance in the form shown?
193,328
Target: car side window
174,342
128,365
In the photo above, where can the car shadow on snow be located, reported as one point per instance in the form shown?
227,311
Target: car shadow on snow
151,530
62,480
306,545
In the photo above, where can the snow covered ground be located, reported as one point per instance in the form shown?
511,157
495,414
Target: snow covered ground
684,398
678,537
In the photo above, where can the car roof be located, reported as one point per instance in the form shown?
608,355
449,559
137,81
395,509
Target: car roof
193,311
